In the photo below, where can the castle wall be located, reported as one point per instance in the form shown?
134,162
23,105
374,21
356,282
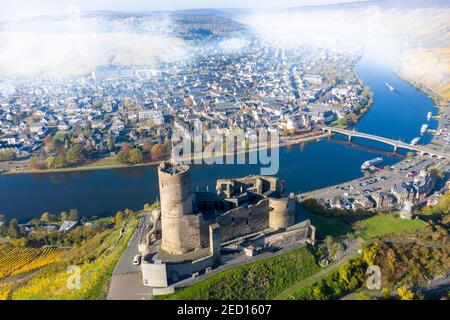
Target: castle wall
287,238
242,221
187,268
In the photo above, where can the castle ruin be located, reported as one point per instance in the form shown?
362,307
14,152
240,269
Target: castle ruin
196,226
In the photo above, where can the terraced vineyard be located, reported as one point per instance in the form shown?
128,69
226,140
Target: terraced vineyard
5,289
15,260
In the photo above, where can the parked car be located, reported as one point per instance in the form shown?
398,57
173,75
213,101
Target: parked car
137,260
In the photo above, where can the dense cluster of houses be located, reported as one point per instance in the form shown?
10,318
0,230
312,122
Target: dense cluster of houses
257,86
401,195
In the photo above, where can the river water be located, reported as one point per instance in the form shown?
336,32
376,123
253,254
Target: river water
396,114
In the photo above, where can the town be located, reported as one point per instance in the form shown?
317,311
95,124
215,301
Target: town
58,124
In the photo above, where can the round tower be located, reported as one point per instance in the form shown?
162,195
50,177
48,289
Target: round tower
282,213
176,201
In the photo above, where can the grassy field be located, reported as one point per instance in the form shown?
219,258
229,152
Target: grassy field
259,280
103,163
375,226
329,226
384,224
305,286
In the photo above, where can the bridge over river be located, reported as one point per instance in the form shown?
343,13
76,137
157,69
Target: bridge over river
422,150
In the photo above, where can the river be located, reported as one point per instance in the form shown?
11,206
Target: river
396,114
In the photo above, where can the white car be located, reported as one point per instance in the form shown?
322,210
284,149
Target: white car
137,260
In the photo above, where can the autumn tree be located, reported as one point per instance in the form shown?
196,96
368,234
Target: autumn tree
49,143
147,145
405,294
63,216
45,217
135,156
157,151
119,217
370,253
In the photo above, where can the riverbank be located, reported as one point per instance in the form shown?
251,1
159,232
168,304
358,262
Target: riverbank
437,97
112,163
427,70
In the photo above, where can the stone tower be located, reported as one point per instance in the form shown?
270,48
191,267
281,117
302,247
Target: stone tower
176,203
282,213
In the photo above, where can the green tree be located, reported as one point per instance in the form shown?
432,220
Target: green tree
13,229
50,161
318,292
75,154
73,215
363,296
3,230
7,155
122,157
135,156
59,138
110,142
386,293
435,172
60,161
119,217
167,147
343,121
66,144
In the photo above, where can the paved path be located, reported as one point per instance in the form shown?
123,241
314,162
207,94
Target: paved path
126,280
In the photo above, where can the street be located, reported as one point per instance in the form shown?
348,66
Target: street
126,280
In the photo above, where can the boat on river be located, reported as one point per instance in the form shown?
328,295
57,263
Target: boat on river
367,164
389,86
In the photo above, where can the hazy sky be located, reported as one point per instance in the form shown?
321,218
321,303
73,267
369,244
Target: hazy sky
18,9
